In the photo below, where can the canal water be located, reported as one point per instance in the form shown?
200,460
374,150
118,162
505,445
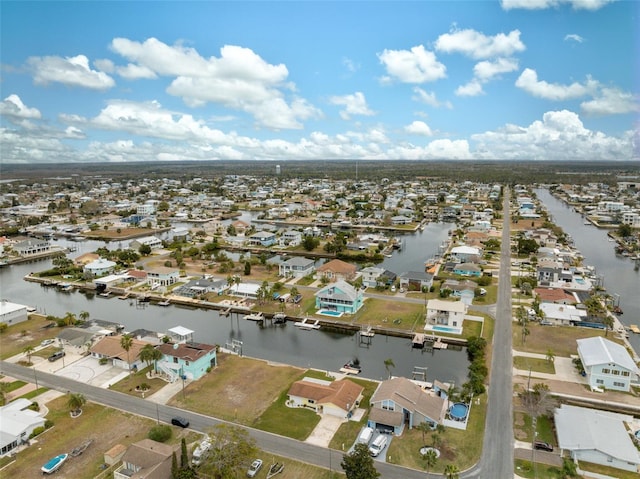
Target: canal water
286,344
620,276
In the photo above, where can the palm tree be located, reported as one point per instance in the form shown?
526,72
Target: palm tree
84,315
28,351
451,471
75,403
149,354
388,364
126,341
69,319
430,458
423,427
551,357
3,393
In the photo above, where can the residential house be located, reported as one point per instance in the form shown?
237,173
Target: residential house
188,360
466,254
387,278
31,246
416,280
202,286
335,398
12,313
467,269
110,348
457,287
180,234
337,269
17,422
241,227
147,459
340,297
563,314
596,437
99,267
290,238
607,364
296,267
445,313
371,275
555,295
262,238
399,402
400,220
151,241
162,276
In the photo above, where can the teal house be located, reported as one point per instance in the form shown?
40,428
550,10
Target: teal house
182,358
339,297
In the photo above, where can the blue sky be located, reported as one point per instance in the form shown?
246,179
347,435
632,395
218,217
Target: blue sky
207,80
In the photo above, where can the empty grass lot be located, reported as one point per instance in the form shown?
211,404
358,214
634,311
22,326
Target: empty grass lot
559,339
27,333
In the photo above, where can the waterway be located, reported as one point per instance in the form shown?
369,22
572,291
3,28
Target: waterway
287,344
618,273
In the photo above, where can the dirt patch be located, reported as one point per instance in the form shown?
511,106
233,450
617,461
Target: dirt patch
243,388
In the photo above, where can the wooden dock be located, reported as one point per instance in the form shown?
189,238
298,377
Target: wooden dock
634,328
307,324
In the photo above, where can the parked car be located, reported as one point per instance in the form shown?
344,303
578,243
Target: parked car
365,435
542,446
254,468
378,445
47,342
180,421
55,356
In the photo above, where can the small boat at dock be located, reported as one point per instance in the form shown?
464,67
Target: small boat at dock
54,464
164,303
307,324
254,316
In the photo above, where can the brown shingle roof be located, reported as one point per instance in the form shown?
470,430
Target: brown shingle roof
342,393
110,346
186,351
411,397
338,266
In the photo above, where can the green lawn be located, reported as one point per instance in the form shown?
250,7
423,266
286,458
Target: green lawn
536,364
525,469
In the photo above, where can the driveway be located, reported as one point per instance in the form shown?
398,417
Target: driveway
324,431
88,370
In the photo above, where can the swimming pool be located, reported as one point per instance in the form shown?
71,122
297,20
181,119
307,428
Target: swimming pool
446,329
328,312
458,411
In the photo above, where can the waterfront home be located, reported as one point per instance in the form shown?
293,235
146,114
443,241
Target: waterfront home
416,280
340,297
597,437
336,269
445,313
31,246
240,227
467,269
607,364
296,267
371,275
563,314
109,348
12,313
151,241
202,286
187,360
262,238
99,267
555,295
400,402
457,287
147,459
335,398
290,238
17,422
162,276
466,254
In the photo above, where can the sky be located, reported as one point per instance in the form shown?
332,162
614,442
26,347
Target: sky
315,80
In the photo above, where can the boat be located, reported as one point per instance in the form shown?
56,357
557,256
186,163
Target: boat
274,469
164,303
279,318
352,367
126,296
254,316
81,448
634,328
617,310
54,464
106,294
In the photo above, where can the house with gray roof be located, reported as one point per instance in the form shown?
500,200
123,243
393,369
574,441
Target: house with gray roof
598,437
340,297
607,364
416,280
296,267
400,402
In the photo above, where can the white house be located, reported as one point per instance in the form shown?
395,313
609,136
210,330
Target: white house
466,254
598,437
162,276
99,267
31,246
449,314
296,267
151,241
17,422
290,238
370,276
336,398
12,313
563,314
607,364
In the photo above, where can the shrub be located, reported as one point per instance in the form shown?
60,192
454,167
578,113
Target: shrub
160,433
103,361
37,431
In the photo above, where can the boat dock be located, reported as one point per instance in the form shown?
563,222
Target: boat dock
634,328
254,316
307,324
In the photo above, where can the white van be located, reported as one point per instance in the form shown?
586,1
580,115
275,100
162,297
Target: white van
365,436
378,445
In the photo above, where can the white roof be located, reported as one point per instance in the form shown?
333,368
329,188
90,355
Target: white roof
452,306
180,331
100,263
465,250
590,429
245,288
563,312
6,307
599,350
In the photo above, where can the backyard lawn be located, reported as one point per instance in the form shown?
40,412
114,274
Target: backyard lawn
561,340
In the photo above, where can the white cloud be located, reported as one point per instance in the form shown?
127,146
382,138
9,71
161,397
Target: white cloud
478,45
442,149
355,104
543,4
238,79
13,108
350,65
529,82
559,136
419,128
71,71
487,69
611,101
573,37
412,66
473,88
135,72
429,98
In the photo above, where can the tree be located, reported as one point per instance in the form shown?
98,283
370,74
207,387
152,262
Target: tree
69,319
184,455
430,458
126,341
608,324
247,268
231,451
388,365
423,427
28,351
84,315
75,403
551,357
624,230
359,464
451,471
569,469
149,354
309,243
144,250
